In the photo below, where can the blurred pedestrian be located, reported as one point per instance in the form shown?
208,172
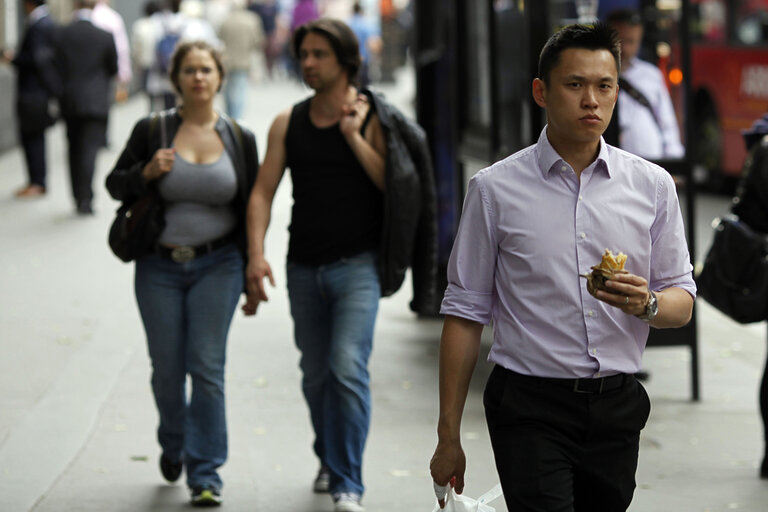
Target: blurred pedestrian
37,83
87,61
563,408
106,18
369,38
303,12
143,40
187,289
198,27
751,206
391,35
647,123
334,143
242,36
267,10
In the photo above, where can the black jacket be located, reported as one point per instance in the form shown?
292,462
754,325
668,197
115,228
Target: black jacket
87,61
37,79
751,201
125,182
409,232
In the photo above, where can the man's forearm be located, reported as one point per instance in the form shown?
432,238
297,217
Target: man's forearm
675,308
459,348
257,220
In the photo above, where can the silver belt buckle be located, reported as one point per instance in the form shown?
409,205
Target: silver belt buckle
183,254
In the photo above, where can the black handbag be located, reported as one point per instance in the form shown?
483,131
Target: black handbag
137,226
734,278
139,223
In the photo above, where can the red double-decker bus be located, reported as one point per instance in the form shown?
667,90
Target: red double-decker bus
728,79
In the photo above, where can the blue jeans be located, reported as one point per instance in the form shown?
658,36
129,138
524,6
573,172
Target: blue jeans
235,91
334,311
187,309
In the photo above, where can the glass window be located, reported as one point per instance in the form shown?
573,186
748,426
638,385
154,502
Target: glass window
751,22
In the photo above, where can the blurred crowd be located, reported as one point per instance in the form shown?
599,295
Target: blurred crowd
65,78
254,34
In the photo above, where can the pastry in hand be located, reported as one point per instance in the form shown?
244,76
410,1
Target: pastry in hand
609,266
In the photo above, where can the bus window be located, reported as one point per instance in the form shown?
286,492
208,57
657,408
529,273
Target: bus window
751,23
709,21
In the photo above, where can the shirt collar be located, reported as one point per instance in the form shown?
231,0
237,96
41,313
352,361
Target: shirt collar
39,12
83,14
549,159
630,64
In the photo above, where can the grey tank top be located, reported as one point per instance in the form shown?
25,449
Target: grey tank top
198,201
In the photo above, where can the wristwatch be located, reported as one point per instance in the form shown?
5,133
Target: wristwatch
651,308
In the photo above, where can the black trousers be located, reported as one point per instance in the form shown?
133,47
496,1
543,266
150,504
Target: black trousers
85,136
558,450
33,143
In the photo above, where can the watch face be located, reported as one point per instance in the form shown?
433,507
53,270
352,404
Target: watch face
653,306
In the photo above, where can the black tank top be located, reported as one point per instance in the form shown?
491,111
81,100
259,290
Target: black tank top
337,210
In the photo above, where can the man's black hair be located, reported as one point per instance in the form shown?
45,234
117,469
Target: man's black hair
151,7
624,16
341,38
36,3
599,36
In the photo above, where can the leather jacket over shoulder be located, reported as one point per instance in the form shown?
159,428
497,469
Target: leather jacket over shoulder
126,183
409,232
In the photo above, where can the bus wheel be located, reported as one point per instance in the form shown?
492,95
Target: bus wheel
707,156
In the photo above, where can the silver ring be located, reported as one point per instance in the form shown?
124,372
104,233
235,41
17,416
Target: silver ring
626,301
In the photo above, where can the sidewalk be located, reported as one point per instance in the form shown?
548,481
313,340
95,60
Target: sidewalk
77,417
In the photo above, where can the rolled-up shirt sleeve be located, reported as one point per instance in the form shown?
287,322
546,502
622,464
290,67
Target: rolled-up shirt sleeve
472,265
670,260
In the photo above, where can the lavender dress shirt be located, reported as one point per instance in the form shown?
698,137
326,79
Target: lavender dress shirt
530,227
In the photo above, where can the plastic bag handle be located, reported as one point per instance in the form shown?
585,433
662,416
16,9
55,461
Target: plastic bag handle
491,495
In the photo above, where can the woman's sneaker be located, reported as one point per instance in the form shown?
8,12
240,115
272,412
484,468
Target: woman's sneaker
322,480
347,502
205,497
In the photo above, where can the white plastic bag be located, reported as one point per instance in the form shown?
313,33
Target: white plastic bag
460,503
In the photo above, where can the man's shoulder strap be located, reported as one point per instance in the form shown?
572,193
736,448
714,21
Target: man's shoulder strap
638,96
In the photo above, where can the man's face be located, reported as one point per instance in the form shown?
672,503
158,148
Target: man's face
631,36
319,65
580,95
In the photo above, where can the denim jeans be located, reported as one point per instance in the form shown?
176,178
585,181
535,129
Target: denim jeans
235,91
187,309
334,311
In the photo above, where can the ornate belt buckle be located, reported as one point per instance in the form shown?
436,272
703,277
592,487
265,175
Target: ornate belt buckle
183,254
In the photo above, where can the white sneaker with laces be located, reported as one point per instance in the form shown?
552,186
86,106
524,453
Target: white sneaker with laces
347,502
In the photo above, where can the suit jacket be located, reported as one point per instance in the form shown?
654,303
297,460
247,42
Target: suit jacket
37,80
87,61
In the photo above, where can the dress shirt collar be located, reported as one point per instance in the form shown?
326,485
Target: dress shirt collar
630,64
83,14
38,13
550,160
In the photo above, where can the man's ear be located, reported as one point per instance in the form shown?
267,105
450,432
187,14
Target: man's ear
539,90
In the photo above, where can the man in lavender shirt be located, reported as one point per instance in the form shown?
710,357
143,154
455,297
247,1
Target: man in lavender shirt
563,408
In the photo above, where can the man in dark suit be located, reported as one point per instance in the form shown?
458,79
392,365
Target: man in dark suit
36,84
87,61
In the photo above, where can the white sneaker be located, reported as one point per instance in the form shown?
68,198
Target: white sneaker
347,502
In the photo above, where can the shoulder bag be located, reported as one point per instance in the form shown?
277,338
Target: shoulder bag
139,223
734,278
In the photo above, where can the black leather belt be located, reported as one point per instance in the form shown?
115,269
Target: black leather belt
590,386
185,253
